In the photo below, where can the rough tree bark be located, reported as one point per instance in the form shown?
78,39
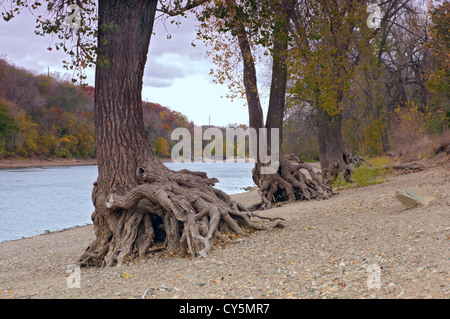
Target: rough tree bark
140,204
289,183
333,156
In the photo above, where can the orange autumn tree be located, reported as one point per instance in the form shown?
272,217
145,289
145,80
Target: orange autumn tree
161,147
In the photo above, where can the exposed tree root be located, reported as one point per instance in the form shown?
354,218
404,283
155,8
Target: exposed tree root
341,163
355,160
174,211
443,148
289,183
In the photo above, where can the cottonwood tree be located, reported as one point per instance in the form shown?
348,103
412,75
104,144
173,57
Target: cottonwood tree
408,67
265,24
438,81
331,41
321,71
140,204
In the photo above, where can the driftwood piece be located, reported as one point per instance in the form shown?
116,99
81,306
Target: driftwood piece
443,148
409,167
358,161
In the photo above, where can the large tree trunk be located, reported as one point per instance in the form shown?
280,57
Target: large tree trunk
334,158
288,183
141,205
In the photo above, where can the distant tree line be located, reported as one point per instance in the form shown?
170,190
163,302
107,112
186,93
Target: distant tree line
44,116
394,81
48,116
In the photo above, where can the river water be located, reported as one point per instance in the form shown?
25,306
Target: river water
36,200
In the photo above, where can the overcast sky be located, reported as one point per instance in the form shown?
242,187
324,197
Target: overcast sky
176,75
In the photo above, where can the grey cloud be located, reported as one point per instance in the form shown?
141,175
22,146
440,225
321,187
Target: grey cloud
156,83
161,74
181,38
155,69
25,49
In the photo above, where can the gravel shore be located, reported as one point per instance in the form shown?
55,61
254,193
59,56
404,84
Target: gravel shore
362,243
35,162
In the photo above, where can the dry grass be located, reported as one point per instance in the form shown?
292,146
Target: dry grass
410,148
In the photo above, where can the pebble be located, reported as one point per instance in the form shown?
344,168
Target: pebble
162,287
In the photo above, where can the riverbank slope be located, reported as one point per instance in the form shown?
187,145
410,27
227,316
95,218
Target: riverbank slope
328,249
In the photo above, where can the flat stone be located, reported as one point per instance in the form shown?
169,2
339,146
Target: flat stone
412,199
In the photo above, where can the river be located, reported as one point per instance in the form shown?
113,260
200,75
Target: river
40,199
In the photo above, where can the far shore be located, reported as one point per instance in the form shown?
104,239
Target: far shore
7,163
37,162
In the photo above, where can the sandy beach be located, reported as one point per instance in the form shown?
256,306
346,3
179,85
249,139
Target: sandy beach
35,162
328,249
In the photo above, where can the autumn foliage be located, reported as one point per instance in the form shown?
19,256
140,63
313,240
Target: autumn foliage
396,81
43,116
47,116
159,122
